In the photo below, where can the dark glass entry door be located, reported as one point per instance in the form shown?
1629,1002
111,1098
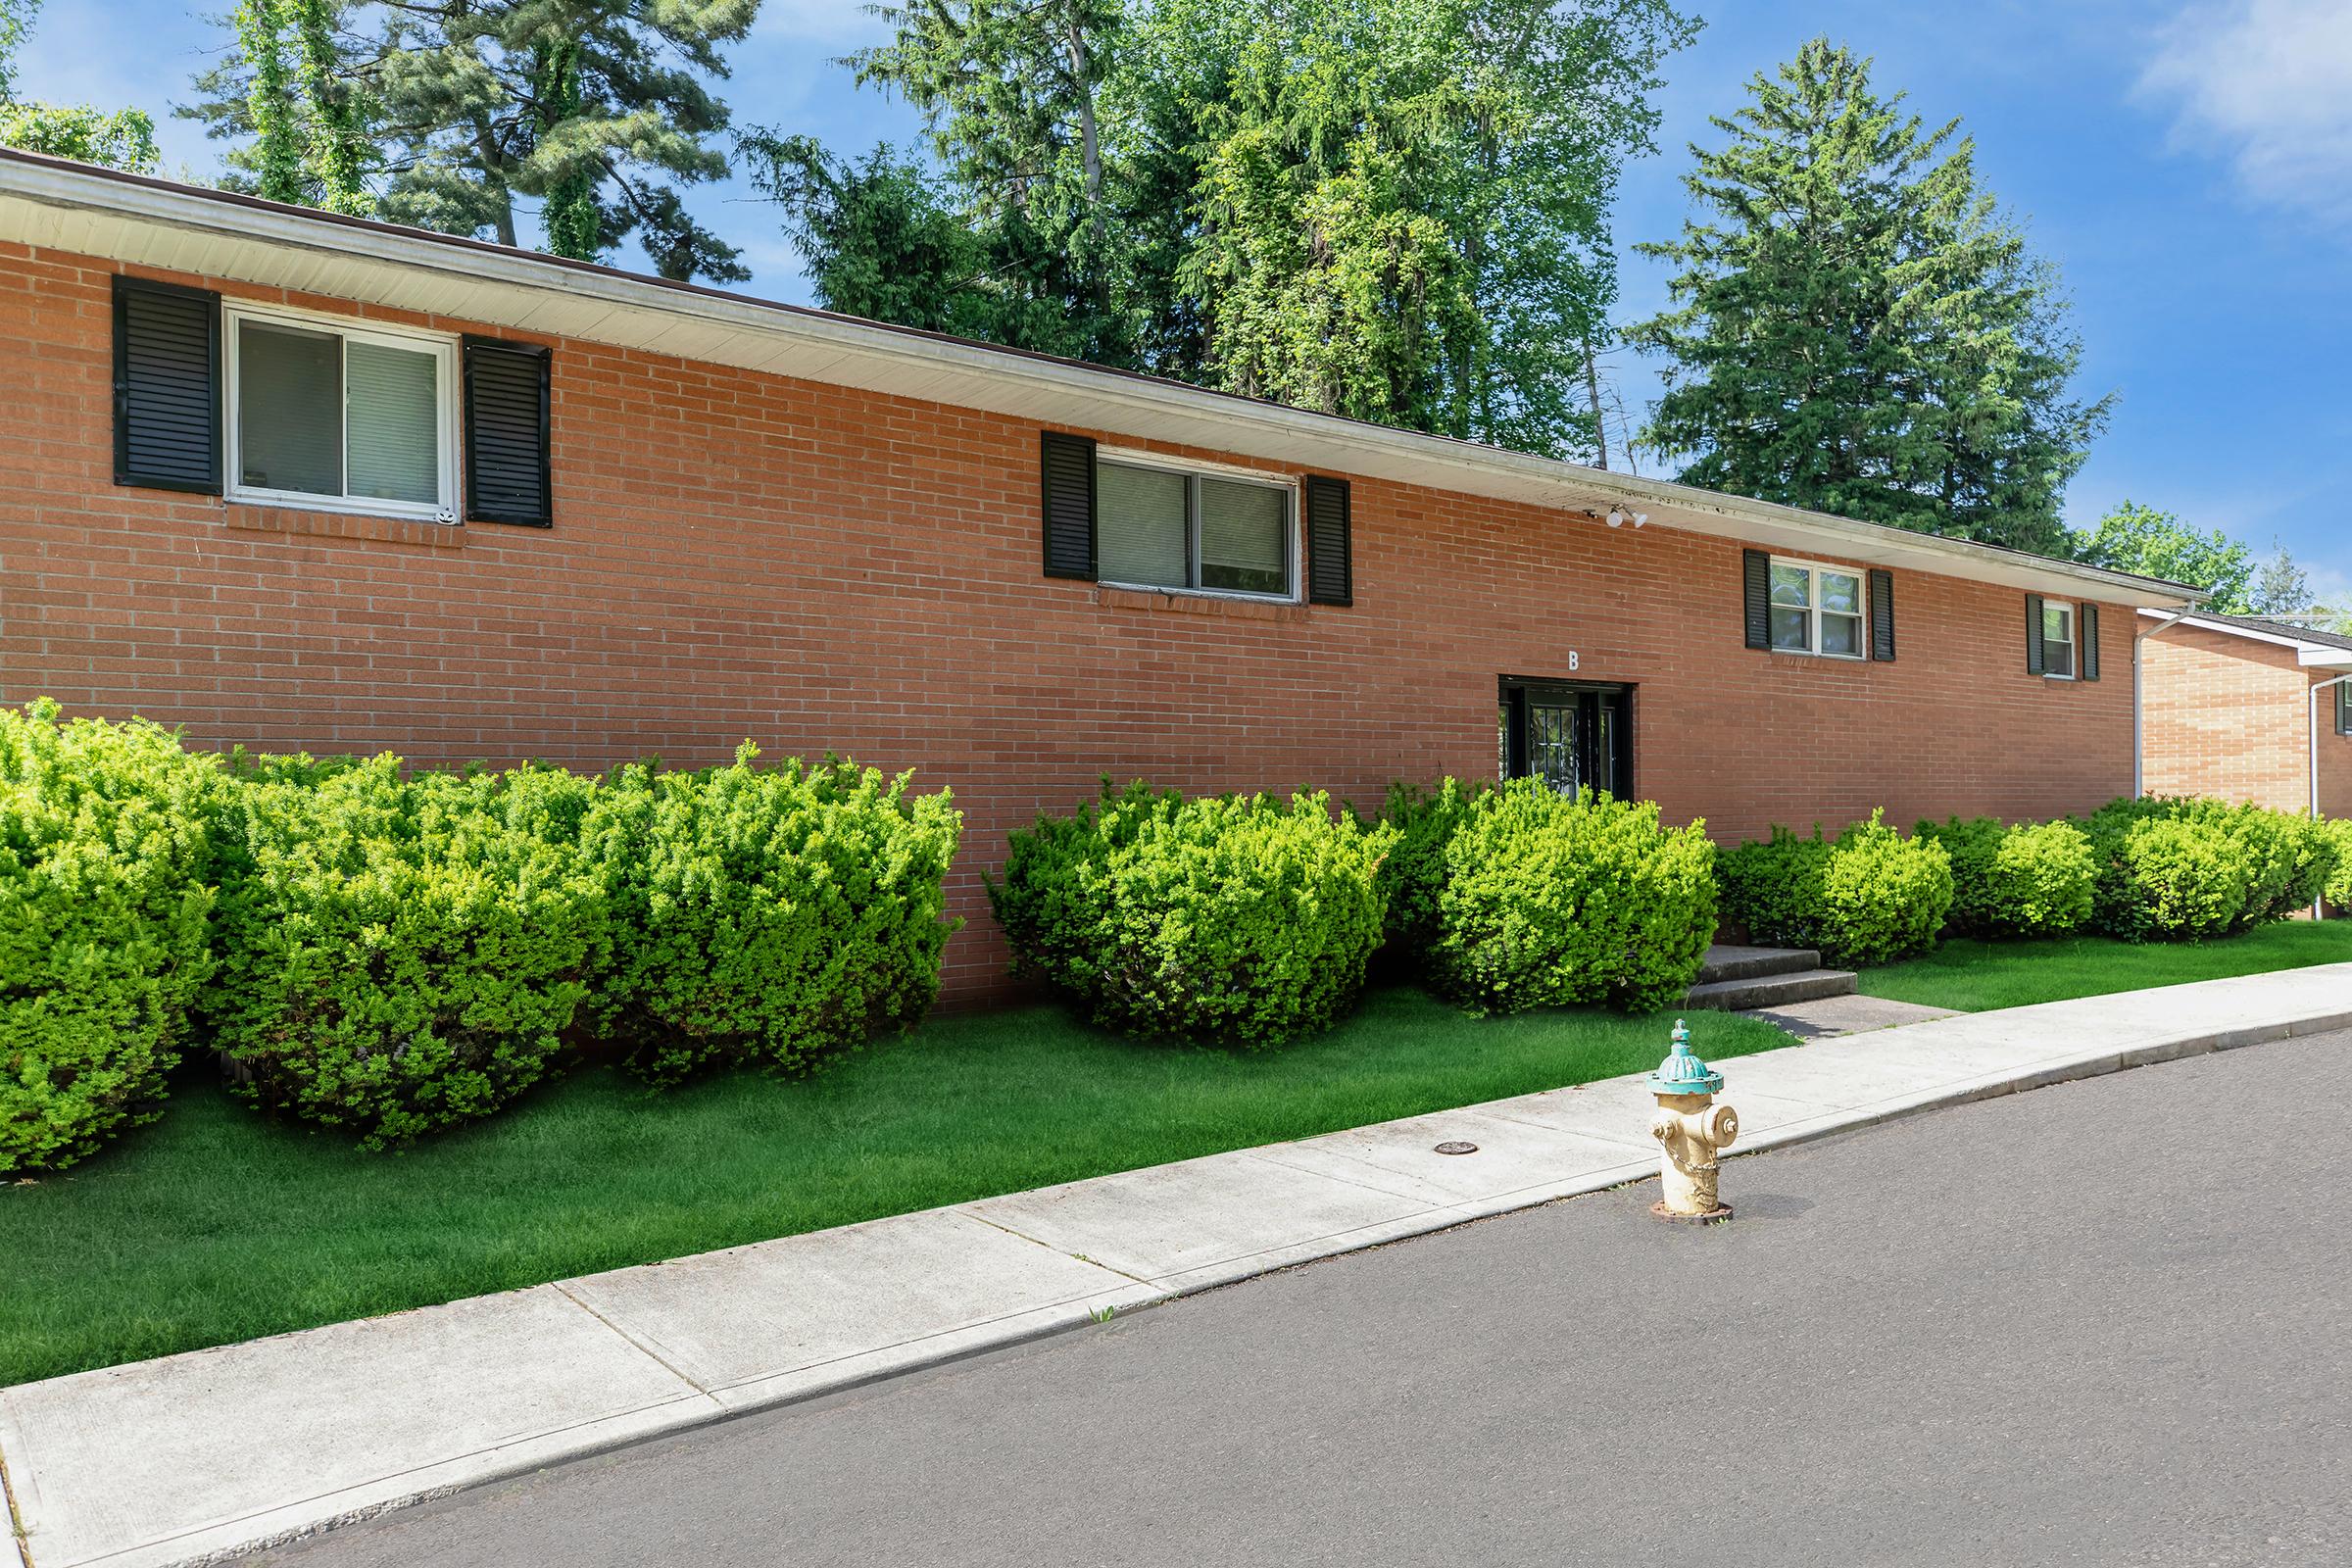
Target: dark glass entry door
1570,734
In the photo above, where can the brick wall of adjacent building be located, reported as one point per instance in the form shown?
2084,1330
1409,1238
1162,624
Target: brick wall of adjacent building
2231,717
737,555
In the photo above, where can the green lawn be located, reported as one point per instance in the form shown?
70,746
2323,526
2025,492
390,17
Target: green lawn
1977,976
217,1225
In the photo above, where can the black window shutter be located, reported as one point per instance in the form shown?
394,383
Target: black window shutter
2036,663
507,395
1330,541
2344,708
1882,617
2086,619
1755,570
1067,463
166,386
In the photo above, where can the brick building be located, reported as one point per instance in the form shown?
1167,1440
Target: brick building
299,480
2247,709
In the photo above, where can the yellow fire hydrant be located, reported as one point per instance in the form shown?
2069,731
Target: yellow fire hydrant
1691,1128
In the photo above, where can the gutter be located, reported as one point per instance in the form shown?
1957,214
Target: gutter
2139,719
2318,905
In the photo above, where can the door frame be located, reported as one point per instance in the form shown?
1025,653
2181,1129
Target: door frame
1512,699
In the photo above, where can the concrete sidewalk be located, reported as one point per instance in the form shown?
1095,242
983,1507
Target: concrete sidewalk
193,1457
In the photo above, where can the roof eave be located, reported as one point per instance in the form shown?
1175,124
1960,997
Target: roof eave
169,226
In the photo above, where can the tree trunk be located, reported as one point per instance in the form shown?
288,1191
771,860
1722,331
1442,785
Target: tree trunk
494,169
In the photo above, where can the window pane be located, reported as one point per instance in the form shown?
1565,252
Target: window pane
1789,630
2057,625
394,436
1140,525
1841,634
1241,537
1792,585
1841,593
289,409
2058,658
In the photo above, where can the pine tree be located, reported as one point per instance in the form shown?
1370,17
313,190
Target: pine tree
461,109
2281,588
1857,329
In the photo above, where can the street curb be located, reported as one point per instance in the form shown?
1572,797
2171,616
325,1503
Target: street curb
694,1413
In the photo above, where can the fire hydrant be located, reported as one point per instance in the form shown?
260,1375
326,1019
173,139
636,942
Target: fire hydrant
1690,1128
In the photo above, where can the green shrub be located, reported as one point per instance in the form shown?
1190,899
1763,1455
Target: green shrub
103,905
1240,920
2337,888
2031,880
1869,896
1414,873
767,916
1773,888
1549,900
400,954
2215,869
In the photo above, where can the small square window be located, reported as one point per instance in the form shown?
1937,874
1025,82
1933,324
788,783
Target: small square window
1816,610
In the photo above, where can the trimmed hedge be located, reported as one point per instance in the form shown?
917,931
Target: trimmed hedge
103,905
399,954
767,916
1869,896
1549,900
1241,920
2034,879
2337,889
1413,875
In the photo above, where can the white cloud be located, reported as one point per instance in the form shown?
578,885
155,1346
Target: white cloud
2268,82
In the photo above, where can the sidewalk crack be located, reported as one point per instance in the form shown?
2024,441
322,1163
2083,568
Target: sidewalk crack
636,1343
15,1521
1020,1235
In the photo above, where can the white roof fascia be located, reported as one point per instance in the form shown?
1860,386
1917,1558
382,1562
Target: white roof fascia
54,205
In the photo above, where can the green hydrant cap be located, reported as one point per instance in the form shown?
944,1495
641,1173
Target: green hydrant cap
1682,1073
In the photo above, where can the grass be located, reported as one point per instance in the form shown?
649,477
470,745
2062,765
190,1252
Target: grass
216,1224
1971,976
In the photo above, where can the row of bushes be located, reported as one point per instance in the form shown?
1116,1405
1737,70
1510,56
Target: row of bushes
2158,868
1251,920
389,953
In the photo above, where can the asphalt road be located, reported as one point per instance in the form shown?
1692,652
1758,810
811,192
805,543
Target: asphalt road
2109,1322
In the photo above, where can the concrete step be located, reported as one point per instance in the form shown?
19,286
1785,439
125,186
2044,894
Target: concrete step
1770,990
1725,962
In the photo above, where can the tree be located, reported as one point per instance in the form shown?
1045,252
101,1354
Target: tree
456,109
119,139
1855,326
2158,544
2281,589
879,237
1391,209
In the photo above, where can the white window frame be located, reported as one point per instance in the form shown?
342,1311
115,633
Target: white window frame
1294,544
1813,611
442,346
2072,643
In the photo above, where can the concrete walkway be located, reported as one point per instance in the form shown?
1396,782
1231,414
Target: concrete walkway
192,1457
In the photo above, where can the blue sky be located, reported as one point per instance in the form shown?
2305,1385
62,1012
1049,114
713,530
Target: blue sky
2188,163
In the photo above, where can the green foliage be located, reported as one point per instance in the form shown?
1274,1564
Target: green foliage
1857,329
103,904
400,955
118,138
1550,900
599,109
2183,868
1391,209
2158,544
1243,920
2337,889
1412,875
1869,896
767,916
2031,880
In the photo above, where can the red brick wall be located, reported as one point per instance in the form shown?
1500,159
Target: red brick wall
2231,717
737,555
